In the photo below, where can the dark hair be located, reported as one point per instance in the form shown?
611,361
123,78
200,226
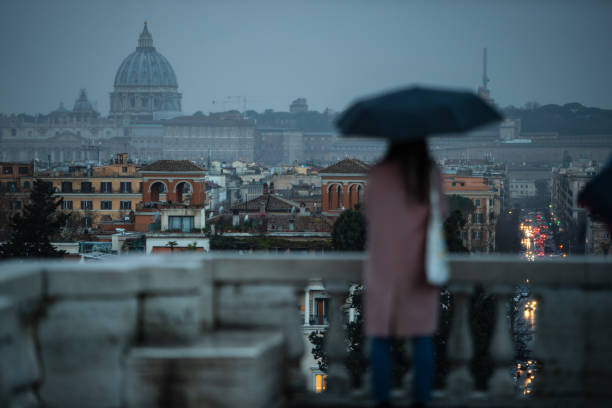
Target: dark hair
416,164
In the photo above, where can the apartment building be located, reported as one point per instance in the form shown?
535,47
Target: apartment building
479,232
104,194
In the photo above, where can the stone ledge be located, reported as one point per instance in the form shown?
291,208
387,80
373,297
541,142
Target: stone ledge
223,369
21,280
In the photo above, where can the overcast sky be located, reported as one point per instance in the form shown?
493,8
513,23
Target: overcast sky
326,51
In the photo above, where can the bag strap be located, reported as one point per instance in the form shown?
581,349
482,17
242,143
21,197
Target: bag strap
434,197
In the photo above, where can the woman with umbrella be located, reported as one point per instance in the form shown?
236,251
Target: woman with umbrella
400,302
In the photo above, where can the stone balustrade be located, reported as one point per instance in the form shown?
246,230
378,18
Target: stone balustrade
223,331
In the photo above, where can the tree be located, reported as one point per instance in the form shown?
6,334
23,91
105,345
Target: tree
31,232
349,233
460,208
172,245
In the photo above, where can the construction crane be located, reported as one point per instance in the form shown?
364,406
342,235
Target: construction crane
237,100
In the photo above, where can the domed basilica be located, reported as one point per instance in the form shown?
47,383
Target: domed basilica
145,84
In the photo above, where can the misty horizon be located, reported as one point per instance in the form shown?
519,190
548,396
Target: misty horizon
275,52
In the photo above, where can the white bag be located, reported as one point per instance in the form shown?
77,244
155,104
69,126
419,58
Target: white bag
436,266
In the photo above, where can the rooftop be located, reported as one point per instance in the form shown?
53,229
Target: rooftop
272,202
350,166
172,165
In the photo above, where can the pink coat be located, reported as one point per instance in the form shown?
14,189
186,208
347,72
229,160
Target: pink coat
399,302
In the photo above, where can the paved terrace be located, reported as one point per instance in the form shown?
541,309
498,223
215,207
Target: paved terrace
224,331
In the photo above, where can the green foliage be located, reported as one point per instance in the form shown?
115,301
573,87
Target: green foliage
460,208
193,246
460,203
569,119
172,245
349,232
263,243
31,232
317,339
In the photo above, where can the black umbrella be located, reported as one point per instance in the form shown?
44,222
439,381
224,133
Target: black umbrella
597,196
413,113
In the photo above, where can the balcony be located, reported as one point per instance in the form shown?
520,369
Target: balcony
224,330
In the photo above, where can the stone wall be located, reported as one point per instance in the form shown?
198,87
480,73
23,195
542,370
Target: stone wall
224,330
134,333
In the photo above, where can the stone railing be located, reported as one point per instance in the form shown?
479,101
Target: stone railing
223,330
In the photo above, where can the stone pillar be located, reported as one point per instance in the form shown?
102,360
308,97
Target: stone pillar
501,383
337,374
307,307
460,349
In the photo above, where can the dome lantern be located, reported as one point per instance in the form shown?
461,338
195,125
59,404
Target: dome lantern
146,39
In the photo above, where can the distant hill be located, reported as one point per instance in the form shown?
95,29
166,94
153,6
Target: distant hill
569,119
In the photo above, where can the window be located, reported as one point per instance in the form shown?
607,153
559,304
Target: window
23,170
66,187
106,205
124,169
477,202
86,205
86,187
179,223
7,170
125,205
26,185
476,235
320,382
15,205
67,205
490,202
454,184
319,315
106,187
86,222
13,132
11,187
477,218
126,187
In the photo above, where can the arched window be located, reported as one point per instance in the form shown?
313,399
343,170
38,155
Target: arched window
182,188
339,190
157,188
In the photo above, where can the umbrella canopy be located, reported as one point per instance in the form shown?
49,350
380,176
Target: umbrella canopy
413,113
597,195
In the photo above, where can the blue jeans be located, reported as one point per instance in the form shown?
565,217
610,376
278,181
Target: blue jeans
422,360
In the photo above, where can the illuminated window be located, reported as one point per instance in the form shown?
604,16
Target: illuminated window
320,383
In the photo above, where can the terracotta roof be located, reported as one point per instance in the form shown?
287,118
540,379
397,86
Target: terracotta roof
273,203
308,223
172,165
347,166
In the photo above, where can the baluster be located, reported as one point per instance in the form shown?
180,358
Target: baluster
460,348
335,345
502,350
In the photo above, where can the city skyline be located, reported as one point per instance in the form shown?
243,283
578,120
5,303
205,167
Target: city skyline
272,53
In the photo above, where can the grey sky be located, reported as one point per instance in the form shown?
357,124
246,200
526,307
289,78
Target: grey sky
327,51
